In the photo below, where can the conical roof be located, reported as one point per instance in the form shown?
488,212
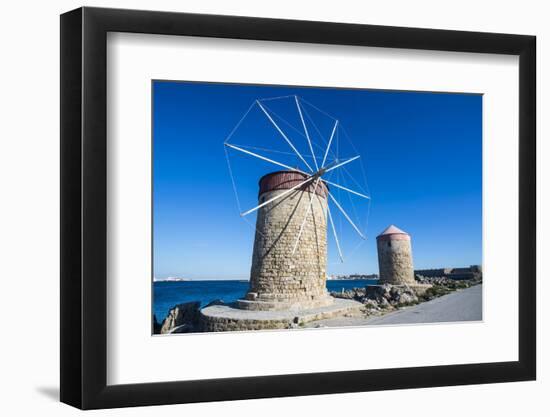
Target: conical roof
393,230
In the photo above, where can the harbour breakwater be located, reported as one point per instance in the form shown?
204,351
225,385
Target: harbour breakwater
375,300
380,299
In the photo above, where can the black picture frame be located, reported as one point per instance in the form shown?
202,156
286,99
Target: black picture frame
84,207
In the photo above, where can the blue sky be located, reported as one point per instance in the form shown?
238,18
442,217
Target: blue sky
422,154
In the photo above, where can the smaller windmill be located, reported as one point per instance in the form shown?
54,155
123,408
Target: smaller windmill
293,204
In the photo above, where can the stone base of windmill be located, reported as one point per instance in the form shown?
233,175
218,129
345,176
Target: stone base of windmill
290,302
230,317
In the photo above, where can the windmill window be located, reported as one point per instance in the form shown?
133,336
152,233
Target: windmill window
389,244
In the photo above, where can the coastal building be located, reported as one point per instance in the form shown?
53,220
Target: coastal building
395,257
290,256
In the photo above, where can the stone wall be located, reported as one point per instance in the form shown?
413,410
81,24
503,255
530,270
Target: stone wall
395,261
434,272
222,324
280,279
471,272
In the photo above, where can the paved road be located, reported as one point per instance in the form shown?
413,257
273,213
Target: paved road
464,305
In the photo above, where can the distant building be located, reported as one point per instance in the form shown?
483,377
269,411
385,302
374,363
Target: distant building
471,272
353,276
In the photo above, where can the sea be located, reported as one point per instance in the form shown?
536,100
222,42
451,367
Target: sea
166,294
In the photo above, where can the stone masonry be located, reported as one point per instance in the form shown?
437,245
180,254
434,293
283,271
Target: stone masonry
395,257
222,318
279,279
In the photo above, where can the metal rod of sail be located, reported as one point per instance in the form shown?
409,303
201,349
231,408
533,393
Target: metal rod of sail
329,142
284,136
307,133
277,197
305,217
346,216
347,161
346,189
335,235
263,158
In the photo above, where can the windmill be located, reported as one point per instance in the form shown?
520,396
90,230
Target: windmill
314,188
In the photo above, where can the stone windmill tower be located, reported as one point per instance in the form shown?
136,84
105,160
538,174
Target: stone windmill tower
284,276
395,257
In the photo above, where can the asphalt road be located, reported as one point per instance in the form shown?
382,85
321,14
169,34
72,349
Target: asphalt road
463,305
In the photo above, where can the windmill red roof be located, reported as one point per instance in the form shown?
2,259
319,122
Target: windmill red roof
393,232
284,180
